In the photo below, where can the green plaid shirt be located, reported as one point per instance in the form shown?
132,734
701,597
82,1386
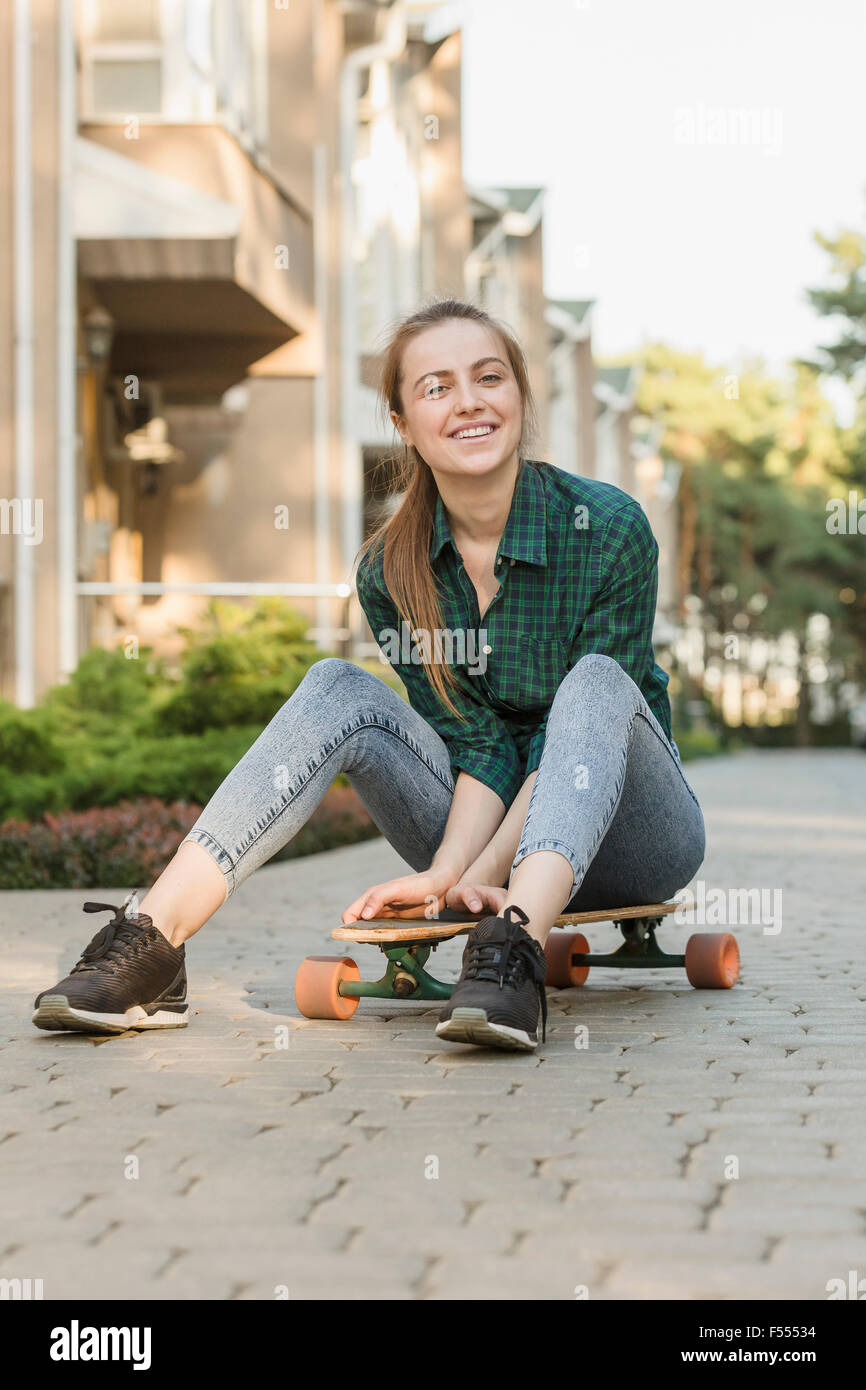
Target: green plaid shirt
578,572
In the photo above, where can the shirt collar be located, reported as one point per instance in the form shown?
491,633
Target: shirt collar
525,534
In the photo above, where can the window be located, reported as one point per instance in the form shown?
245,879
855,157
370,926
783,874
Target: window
123,85
177,60
122,57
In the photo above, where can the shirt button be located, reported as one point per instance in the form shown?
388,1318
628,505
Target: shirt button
511,561
487,650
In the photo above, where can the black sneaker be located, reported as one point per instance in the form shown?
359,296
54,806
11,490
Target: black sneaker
497,999
129,976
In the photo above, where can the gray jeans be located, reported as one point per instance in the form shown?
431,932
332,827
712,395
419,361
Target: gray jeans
609,794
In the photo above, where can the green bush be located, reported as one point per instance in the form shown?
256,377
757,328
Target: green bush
27,745
240,665
175,768
122,767
128,845
106,691
78,769
121,728
100,783
698,743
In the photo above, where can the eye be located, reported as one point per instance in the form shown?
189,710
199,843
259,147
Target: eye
441,385
429,391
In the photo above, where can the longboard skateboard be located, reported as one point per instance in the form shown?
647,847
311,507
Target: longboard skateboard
331,986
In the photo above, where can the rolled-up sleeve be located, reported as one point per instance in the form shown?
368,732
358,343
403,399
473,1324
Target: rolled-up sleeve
483,745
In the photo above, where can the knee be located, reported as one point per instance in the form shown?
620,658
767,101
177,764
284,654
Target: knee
593,668
596,663
333,670
332,679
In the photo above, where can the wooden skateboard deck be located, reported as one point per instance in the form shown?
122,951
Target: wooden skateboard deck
376,931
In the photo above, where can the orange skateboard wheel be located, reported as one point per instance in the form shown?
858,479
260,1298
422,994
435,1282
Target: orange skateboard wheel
712,960
561,974
317,986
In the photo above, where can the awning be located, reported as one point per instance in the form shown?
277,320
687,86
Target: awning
116,197
189,277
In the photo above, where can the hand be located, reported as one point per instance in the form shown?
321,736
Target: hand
413,895
476,897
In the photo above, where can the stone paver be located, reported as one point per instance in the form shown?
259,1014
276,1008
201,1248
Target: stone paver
703,1145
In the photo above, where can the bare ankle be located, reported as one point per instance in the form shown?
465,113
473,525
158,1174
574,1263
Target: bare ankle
168,930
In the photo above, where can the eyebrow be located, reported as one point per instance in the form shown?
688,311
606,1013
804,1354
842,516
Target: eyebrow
446,371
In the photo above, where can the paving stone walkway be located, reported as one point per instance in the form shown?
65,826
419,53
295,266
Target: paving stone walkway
702,1145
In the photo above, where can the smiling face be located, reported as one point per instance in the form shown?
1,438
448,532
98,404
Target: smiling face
462,408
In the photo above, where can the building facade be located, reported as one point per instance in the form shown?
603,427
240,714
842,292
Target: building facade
218,210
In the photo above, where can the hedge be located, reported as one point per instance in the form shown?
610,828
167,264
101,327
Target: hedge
129,845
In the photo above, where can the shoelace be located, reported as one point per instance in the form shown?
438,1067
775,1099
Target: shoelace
510,961
111,940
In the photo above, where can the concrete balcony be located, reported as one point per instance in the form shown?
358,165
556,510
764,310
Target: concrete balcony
204,264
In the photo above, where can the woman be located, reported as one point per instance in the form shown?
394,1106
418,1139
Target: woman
535,752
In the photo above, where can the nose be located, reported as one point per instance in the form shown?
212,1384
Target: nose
467,397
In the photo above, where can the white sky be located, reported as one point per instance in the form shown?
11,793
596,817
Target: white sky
703,245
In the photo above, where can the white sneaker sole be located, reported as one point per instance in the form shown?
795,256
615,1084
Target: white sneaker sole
473,1026
57,1015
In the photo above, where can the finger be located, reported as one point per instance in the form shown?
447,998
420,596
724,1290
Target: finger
399,898
380,900
372,904
412,913
354,910
354,914
469,897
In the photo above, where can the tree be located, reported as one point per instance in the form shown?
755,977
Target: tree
758,458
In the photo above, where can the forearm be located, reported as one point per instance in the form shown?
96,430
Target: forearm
476,811
493,863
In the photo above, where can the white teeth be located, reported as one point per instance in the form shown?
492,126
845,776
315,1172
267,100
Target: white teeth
474,433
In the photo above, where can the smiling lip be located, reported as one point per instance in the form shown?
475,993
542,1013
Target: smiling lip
482,424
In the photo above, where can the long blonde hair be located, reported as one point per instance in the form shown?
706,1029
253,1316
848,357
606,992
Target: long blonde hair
406,534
